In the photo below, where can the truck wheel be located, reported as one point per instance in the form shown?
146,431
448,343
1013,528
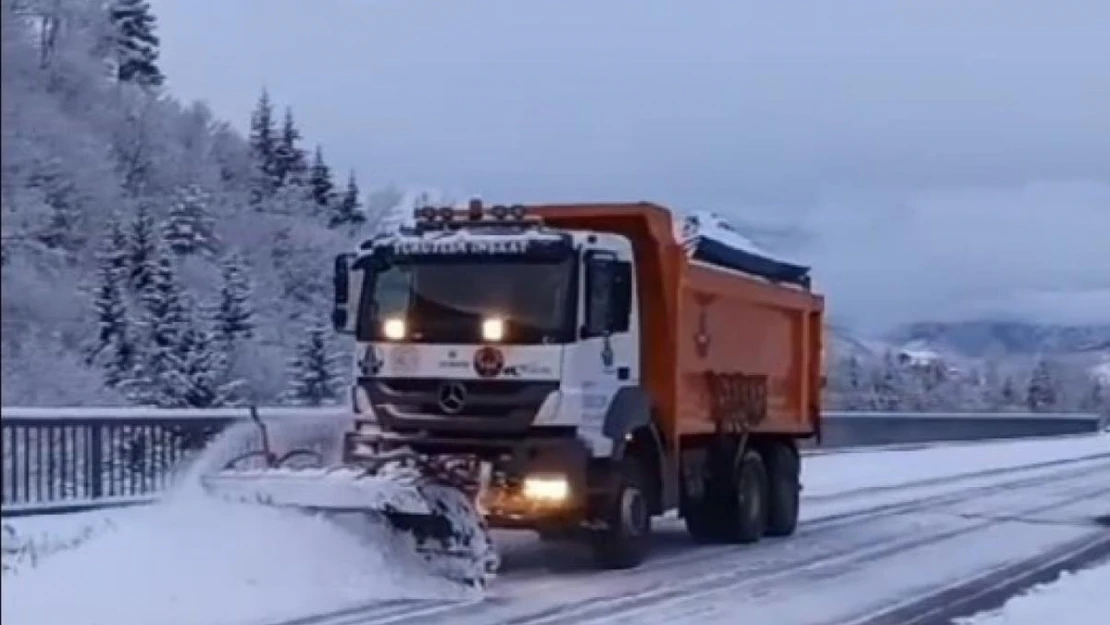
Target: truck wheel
626,539
703,527
748,503
783,490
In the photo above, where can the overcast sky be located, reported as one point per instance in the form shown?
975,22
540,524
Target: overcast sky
932,158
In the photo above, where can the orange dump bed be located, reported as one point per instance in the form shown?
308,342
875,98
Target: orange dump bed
719,348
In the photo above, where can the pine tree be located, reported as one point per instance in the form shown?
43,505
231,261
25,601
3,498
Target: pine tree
312,379
234,314
160,374
206,377
142,249
263,144
289,158
320,182
108,303
348,211
135,43
1042,395
189,229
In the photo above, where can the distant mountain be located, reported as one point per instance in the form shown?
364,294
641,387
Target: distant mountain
983,338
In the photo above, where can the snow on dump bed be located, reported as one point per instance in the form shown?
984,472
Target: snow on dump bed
195,559
1080,598
709,238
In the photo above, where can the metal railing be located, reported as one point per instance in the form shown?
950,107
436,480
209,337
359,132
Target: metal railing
66,459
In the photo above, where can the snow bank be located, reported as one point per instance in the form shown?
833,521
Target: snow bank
27,540
834,473
1078,598
194,559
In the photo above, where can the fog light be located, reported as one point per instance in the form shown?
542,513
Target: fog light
493,329
554,489
394,329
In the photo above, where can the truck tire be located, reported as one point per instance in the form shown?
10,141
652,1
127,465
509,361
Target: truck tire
747,509
783,488
626,539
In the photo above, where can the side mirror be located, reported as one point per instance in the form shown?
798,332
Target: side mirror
342,317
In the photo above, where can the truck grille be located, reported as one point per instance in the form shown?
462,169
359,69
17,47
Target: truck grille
435,404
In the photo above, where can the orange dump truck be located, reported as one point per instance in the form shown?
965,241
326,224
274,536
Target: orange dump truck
602,364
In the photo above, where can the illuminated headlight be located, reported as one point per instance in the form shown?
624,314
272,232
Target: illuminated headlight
394,329
553,489
493,329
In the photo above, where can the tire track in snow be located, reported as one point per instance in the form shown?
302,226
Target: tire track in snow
695,582
689,566
693,591
988,590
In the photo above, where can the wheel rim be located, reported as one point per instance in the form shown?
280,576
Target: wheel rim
633,511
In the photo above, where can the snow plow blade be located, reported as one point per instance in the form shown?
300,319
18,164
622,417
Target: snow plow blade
419,502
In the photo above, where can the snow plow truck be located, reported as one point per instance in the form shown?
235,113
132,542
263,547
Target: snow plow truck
576,370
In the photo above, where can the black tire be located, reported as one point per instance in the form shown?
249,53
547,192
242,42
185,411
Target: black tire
703,523
747,507
783,488
626,539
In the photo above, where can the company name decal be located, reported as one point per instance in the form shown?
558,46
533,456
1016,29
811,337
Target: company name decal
478,246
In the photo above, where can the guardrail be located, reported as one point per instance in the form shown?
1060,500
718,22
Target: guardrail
66,459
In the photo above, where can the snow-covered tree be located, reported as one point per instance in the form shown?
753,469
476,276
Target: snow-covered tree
206,378
59,193
348,211
312,377
189,229
264,147
1095,399
234,317
890,385
142,249
135,42
108,299
159,376
320,182
289,158
1042,393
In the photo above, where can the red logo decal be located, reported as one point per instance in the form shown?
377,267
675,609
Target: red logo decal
488,361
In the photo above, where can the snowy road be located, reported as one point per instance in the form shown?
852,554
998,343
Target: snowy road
856,553
882,534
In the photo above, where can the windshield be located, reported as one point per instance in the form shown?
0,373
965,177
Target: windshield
446,302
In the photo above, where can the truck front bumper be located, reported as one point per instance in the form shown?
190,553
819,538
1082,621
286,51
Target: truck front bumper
539,481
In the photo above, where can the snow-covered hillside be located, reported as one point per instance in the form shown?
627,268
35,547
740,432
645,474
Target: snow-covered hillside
137,226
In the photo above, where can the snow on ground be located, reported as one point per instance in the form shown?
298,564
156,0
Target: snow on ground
1079,598
27,540
191,559
828,474
194,559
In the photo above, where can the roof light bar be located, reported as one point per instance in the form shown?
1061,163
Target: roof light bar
474,212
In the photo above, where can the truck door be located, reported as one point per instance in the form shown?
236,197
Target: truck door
606,356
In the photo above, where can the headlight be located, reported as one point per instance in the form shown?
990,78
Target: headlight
552,489
394,329
493,329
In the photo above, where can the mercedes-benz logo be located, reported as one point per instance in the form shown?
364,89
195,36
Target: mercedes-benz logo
452,397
